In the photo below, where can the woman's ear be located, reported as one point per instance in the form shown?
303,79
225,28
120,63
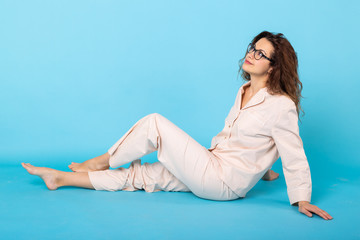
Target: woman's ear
270,70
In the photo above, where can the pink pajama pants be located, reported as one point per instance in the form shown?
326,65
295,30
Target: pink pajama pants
184,165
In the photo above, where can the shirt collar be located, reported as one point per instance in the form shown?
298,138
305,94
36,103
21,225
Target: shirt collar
258,98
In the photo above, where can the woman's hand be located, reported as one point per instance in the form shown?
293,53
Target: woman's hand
306,208
270,175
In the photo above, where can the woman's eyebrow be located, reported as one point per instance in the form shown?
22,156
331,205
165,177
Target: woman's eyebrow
260,49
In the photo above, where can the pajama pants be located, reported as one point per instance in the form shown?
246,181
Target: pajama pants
184,165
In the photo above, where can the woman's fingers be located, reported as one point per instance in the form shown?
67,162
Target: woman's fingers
321,213
306,212
330,217
324,214
312,208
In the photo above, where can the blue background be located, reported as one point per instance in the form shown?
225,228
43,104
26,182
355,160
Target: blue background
76,75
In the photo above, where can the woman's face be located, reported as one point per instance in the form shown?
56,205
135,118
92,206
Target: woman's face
259,67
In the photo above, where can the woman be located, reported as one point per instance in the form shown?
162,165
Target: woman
261,126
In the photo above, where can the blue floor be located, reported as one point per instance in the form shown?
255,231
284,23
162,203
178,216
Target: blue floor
30,211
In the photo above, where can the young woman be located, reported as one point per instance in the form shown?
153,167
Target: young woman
262,126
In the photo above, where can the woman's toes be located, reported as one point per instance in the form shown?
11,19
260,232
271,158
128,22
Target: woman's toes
24,165
29,167
72,166
75,167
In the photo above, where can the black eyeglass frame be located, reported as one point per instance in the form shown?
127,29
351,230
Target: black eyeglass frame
251,48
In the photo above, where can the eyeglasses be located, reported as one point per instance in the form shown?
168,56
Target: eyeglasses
258,54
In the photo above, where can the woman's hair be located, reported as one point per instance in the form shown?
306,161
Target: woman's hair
284,78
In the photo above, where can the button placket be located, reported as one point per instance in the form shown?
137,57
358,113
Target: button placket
229,129
232,123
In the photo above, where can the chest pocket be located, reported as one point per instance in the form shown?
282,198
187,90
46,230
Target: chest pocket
250,123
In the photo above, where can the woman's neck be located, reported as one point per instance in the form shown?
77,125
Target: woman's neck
256,85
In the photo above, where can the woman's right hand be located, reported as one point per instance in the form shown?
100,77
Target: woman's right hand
270,175
306,208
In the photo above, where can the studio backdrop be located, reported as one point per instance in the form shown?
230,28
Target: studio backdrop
76,75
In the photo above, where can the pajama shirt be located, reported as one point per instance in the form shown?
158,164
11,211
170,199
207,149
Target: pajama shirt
251,141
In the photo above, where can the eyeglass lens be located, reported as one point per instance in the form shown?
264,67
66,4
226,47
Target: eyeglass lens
258,54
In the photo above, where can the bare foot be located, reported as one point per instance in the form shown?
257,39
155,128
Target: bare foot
270,175
50,176
95,164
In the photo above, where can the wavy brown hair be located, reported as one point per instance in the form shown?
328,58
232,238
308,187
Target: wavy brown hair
284,78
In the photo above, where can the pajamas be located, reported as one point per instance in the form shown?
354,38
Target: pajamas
252,140
184,165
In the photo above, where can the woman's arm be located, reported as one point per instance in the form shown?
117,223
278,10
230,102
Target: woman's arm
285,133
286,136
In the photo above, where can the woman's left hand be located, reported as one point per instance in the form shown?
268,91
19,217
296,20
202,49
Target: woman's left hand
307,208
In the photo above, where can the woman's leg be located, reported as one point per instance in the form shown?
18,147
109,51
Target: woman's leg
190,166
54,178
184,157
151,177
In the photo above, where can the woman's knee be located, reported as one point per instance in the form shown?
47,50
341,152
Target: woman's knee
156,119
154,116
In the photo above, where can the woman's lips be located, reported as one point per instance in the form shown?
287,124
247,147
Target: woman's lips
246,61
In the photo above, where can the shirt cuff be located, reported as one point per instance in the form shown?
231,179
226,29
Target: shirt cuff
299,195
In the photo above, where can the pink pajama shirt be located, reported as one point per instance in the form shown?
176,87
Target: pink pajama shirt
252,140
